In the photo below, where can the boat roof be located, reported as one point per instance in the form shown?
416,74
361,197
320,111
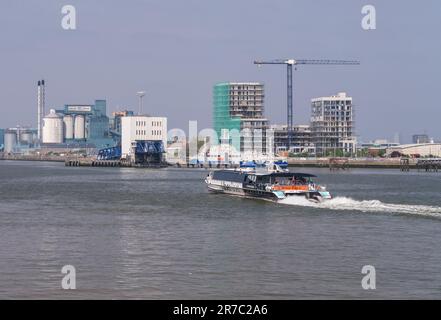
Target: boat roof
274,174
285,174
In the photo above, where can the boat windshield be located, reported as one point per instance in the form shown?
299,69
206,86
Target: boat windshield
290,181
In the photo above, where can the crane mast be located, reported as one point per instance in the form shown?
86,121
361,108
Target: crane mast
289,63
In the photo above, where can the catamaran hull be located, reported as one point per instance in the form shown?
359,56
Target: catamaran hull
263,195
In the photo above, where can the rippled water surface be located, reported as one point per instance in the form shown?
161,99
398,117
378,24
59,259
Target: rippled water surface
158,234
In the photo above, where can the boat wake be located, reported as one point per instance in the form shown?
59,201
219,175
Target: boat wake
345,203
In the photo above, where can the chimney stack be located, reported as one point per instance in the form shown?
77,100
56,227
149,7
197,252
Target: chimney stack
40,108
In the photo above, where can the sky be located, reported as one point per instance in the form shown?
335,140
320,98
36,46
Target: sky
177,50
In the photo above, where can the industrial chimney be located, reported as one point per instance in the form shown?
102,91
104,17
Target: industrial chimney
40,108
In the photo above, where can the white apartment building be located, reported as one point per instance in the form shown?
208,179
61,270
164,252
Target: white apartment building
332,124
142,128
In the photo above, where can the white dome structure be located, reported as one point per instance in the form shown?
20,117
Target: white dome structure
53,128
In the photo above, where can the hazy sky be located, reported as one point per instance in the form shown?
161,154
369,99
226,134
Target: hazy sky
177,50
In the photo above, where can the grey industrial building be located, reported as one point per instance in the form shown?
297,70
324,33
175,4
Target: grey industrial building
81,125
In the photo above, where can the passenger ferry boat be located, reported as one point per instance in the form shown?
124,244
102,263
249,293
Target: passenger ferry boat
274,184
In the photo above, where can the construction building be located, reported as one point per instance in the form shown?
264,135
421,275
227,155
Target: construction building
332,124
239,107
301,139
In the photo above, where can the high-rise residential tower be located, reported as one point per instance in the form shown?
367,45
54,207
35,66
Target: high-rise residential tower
332,124
240,106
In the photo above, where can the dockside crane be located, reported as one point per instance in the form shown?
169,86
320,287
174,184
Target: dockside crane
292,62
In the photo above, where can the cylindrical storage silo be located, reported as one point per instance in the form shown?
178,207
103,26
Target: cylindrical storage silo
26,138
68,127
53,128
79,127
10,141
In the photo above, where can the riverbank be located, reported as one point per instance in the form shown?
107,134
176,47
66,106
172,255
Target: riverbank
377,163
21,157
333,163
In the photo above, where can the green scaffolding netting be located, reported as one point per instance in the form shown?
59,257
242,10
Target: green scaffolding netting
222,119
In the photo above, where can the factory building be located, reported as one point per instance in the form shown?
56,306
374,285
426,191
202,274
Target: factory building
332,124
301,139
415,150
88,123
239,106
143,139
19,139
77,124
115,120
2,139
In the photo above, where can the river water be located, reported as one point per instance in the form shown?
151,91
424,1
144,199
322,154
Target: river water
159,234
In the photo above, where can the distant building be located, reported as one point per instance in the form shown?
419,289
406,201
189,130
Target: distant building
332,124
397,138
415,150
240,106
97,124
18,139
115,120
140,132
420,138
301,138
2,139
379,143
177,150
377,147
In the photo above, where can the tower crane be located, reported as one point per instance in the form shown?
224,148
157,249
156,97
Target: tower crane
289,63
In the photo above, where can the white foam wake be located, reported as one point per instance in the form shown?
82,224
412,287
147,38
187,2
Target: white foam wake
345,203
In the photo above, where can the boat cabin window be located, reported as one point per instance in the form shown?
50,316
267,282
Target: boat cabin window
232,176
262,179
287,181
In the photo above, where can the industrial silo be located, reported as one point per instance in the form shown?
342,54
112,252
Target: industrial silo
53,128
79,127
10,141
68,127
27,137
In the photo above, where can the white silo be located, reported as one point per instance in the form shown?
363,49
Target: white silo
68,127
79,127
53,128
10,141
